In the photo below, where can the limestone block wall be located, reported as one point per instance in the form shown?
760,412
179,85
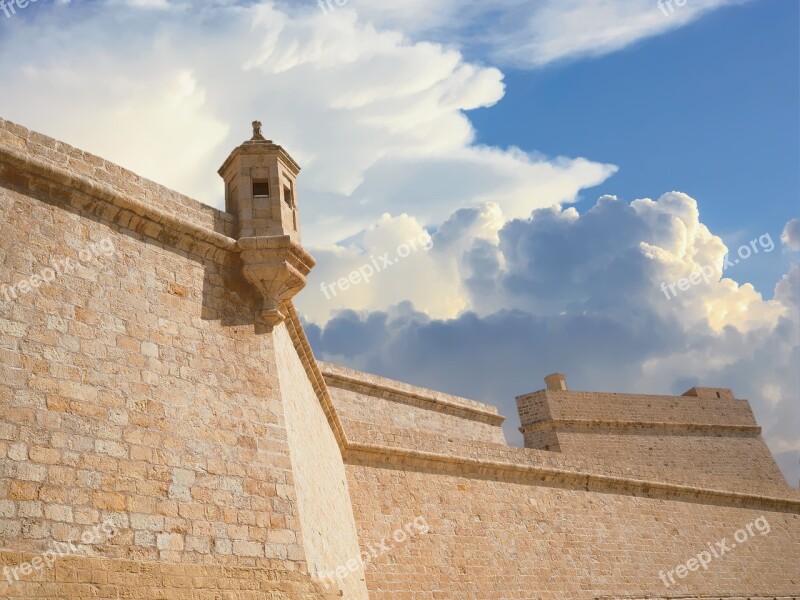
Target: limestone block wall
323,494
135,390
634,408
107,579
493,539
735,456
91,174
542,439
371,399
120,401
402,447
708,432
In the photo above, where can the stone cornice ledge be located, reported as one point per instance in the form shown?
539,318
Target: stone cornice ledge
598,425
787,595
123,209
582,480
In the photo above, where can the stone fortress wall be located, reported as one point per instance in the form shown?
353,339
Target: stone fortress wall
706,430
135,390
141,391
510,522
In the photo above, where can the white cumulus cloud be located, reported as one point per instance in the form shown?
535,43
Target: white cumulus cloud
532,34
377,120
583,293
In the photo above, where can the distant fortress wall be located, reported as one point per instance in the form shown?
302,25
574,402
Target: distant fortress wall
706,430
391,404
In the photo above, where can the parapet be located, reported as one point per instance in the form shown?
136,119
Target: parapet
362,397
705,392
31,160
705,430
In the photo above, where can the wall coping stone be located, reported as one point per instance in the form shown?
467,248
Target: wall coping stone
367,453
381,387
640,408
28,152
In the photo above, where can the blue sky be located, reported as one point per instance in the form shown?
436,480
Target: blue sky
499,133
712,109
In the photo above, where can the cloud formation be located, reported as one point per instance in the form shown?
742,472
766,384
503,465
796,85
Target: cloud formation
791,235
581,294
530,35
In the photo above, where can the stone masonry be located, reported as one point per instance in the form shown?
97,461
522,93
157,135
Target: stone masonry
163,419
706,430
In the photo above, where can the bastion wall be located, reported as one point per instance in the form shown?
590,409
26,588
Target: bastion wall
135,389
706,431
507,522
